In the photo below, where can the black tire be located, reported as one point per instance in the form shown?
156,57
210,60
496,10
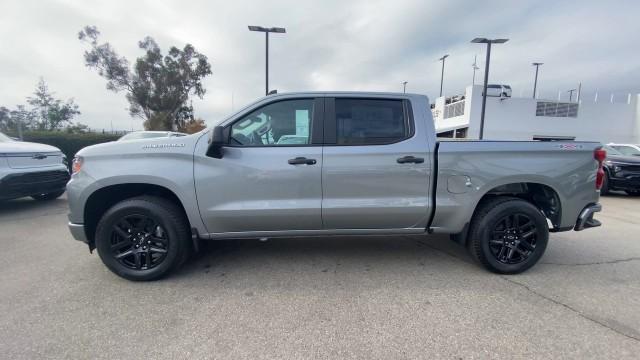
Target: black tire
164,230
48,196
633,192
491,250
604,190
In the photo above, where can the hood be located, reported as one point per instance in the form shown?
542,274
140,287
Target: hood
142,146
624,159
21,147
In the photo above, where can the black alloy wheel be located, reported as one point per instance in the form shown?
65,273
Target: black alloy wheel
138,242
507,235
514,239
143,238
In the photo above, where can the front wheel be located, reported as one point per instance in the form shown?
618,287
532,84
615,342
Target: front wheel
508,235
143,238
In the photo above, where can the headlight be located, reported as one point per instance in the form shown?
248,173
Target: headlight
77,164
617,169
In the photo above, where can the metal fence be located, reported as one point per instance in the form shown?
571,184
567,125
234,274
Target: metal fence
454,109
556,109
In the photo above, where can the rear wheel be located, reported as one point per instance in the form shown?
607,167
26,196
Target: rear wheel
143,238
48,196
508,235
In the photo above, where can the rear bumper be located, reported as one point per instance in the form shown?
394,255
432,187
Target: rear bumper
586,220
16,185
625,183
77,231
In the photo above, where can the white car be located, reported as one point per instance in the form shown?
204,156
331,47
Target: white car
499,90
31,169
627,149
136,135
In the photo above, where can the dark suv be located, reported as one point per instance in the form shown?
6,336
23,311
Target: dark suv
623,172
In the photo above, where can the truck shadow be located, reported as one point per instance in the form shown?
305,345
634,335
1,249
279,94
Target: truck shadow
324,256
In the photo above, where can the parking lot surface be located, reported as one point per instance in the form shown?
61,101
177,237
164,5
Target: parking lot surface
334,298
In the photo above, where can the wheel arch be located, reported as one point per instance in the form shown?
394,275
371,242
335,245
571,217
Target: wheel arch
541,195
105,197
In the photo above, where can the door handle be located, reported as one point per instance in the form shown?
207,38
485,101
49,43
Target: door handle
410,159
301,161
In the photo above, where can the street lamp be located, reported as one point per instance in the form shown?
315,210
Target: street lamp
486,74
475,67
442,75
535,82
571,94
266,31
404,86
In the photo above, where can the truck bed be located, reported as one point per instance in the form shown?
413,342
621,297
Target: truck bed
467,170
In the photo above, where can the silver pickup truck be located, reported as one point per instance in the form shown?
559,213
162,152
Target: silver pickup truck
328,163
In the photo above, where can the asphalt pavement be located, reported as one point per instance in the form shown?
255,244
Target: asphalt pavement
321,298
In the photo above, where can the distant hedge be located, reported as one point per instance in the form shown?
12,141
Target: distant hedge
70,144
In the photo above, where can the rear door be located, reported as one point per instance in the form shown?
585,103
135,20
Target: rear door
376,165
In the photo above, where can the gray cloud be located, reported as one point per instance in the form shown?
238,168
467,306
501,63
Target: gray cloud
329,45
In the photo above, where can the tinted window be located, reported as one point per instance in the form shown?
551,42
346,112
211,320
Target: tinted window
494,86
369,122
612,151
626,150
282,123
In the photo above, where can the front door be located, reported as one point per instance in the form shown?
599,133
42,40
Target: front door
269,178
376,166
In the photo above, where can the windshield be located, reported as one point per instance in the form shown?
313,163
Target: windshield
612,151
5,138
626,150
143,135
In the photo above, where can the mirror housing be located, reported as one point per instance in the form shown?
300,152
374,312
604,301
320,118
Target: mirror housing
217,141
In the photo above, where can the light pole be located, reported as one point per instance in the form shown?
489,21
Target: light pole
266,32
535,82
571,94
404,86
475,67
486,74
442,74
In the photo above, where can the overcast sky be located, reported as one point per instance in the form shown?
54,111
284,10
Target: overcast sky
329,45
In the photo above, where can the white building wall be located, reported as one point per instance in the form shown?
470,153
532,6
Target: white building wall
515,119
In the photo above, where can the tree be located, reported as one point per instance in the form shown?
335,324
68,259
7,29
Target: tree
6,122
194,125
48,112
159,86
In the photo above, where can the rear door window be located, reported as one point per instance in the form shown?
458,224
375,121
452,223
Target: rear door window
370,121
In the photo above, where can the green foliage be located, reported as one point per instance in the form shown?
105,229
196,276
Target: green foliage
49,113
159,86
70,144
46,113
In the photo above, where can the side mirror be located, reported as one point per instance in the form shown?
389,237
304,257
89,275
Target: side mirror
216,142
